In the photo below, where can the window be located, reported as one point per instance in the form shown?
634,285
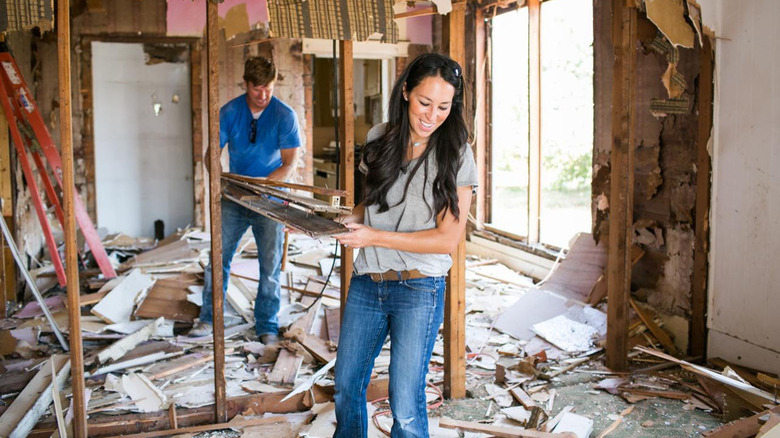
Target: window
542,121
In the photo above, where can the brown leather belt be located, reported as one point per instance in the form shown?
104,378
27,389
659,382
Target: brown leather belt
396,275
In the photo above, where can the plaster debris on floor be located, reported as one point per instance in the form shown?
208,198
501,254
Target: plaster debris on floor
534,355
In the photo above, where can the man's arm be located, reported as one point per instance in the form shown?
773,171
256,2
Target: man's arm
285,171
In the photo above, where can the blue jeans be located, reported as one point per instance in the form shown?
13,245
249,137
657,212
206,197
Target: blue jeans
411,311
269,238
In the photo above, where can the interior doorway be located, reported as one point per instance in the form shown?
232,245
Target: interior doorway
142,136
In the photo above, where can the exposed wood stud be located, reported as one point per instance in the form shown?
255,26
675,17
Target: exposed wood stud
71,248
455,298
347,151
621,184
215,190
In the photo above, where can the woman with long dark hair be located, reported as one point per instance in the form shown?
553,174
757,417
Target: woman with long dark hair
420,174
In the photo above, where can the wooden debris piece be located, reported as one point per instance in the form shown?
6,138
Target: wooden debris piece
239,301
611,428
138,361
168,298
312,204
286,368
208,427
500,431
171,253
658,332
750,393
537,417
89,299
305,323
117,305
742,428
333,322
752,376
318,347
308,223
676,395
55,392
771,429
523,397
165,369
19,419
768,380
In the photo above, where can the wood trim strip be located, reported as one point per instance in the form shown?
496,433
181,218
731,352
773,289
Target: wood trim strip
535,119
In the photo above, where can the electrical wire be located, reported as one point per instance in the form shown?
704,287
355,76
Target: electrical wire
433,404
336,119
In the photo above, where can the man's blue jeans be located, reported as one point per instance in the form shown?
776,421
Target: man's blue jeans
269,238
411,311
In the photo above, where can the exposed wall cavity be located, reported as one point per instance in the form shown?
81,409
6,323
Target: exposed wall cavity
664,156
173,53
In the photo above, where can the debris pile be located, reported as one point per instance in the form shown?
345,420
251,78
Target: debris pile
534,354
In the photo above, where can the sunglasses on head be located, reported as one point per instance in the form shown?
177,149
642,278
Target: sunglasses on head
439,61
253,130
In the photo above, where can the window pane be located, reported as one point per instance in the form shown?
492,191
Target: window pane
509,118
567,119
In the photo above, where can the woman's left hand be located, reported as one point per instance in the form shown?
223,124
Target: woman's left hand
359,236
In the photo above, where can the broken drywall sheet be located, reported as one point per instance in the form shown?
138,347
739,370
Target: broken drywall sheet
669,17
117,306
566,334
122,346
582,426
533,307
146,396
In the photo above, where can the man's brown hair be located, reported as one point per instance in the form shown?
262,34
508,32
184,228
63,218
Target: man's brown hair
259,70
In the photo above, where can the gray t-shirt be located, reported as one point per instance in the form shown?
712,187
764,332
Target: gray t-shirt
414,214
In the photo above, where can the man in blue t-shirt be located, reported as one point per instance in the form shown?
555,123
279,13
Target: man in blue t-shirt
263,137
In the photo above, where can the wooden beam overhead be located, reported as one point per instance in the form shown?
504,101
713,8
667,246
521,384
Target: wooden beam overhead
215,191
455,300
346,151
621,203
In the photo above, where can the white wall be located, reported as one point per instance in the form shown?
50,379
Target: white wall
143,161
744,293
